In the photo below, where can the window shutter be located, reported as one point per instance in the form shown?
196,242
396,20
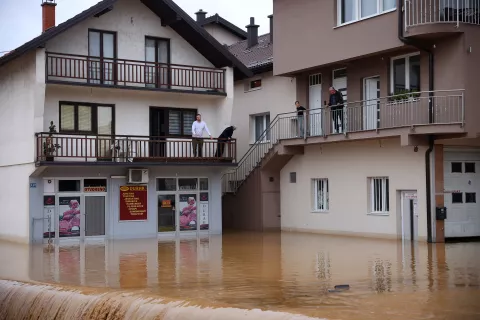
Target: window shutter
174,122
84,118
67,117
188,119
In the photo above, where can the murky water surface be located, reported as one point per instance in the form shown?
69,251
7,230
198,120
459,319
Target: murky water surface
288,272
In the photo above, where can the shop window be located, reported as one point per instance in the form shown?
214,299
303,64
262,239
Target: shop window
187,184
203,184
457,167
166,184
95,185
457,197
469,167
470,197
69,185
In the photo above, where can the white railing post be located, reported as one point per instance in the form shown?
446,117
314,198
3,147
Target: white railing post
458,14
405,13
463,108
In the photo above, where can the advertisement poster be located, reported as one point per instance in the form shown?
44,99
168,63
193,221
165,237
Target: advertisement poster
48,217
69,210
188,212
133,203
203,211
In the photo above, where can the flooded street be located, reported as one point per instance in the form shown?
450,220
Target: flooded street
289,272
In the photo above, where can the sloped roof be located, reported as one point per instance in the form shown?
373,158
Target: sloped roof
169,12
216,19
257,58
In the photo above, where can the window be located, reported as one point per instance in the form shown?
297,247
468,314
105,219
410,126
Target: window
320,195
157,51
457,167
166,184
262,122
187,184
203,184
293,177
68,185
253,84
405,74
86,118
457,197
469,167
379,188
470,197
180,121
95,185
102,49
353,10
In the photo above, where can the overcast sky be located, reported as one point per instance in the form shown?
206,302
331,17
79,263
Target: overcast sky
21,20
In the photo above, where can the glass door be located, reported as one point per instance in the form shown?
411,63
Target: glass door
187,204
157,68
102,55
166,213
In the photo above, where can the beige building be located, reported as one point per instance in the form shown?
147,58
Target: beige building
399,157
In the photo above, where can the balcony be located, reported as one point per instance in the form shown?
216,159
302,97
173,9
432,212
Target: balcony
74,149
440,16
131,74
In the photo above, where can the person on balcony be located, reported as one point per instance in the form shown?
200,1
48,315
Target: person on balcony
336,107
300,119
198,127
223,140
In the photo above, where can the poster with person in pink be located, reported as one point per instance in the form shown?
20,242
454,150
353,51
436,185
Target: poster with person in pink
69,225
188,212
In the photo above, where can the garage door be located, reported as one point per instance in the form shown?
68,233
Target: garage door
462,190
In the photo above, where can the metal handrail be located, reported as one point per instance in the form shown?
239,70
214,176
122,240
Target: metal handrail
392,106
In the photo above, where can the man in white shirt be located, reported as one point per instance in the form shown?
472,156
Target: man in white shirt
198,127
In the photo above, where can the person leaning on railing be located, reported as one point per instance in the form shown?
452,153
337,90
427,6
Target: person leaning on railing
336,106
223,140
300,119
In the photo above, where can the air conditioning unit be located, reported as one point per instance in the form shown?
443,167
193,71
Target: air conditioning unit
138,176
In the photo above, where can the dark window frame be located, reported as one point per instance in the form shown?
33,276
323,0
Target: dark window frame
94,116
169,56
454,201
182,134
101,57
473,196
473,167
456,162
255,84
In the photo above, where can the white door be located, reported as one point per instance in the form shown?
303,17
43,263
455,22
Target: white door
462,189
409,216
371,105
315,105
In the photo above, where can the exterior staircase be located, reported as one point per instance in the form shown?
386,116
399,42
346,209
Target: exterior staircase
251,191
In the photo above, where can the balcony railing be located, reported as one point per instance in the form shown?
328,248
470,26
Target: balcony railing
105,148
87,70
419,12
406,110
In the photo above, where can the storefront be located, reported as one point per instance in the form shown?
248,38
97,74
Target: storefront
109,206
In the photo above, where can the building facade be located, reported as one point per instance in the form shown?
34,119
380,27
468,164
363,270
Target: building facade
106,103
399,158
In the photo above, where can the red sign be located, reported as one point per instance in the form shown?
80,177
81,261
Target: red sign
133,203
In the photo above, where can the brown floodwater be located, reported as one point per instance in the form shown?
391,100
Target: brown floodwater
241,276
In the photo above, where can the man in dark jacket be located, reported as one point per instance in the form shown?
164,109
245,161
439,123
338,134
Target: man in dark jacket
336,108
300,119
222,140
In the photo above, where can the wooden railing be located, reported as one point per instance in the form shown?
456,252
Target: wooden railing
80,69
106,148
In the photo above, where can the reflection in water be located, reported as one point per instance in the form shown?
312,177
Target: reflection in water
285,272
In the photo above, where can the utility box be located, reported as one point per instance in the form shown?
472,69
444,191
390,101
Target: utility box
441,213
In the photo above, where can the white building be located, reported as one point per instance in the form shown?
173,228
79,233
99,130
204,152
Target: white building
122,82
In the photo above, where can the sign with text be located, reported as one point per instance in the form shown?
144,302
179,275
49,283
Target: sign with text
95,189
133,203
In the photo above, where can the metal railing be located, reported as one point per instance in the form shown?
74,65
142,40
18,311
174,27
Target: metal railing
106,148
405,110
419,12
80,69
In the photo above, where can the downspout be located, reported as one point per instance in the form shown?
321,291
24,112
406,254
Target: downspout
431,138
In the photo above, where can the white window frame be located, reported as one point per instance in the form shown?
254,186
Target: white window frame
381,203
247,83
253,118
324,204
407,70
357,13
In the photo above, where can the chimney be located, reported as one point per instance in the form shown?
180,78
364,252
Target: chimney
252,33
271,27
201,15
48,14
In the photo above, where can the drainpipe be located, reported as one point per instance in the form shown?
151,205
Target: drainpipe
431,138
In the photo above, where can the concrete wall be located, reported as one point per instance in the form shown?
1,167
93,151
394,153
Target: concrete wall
277,95
347,167
22,89
132,21
221,34
303,31
138,229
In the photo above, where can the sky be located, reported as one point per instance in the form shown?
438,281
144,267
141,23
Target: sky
21,20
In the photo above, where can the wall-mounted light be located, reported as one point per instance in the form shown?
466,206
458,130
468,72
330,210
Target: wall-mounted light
469,50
